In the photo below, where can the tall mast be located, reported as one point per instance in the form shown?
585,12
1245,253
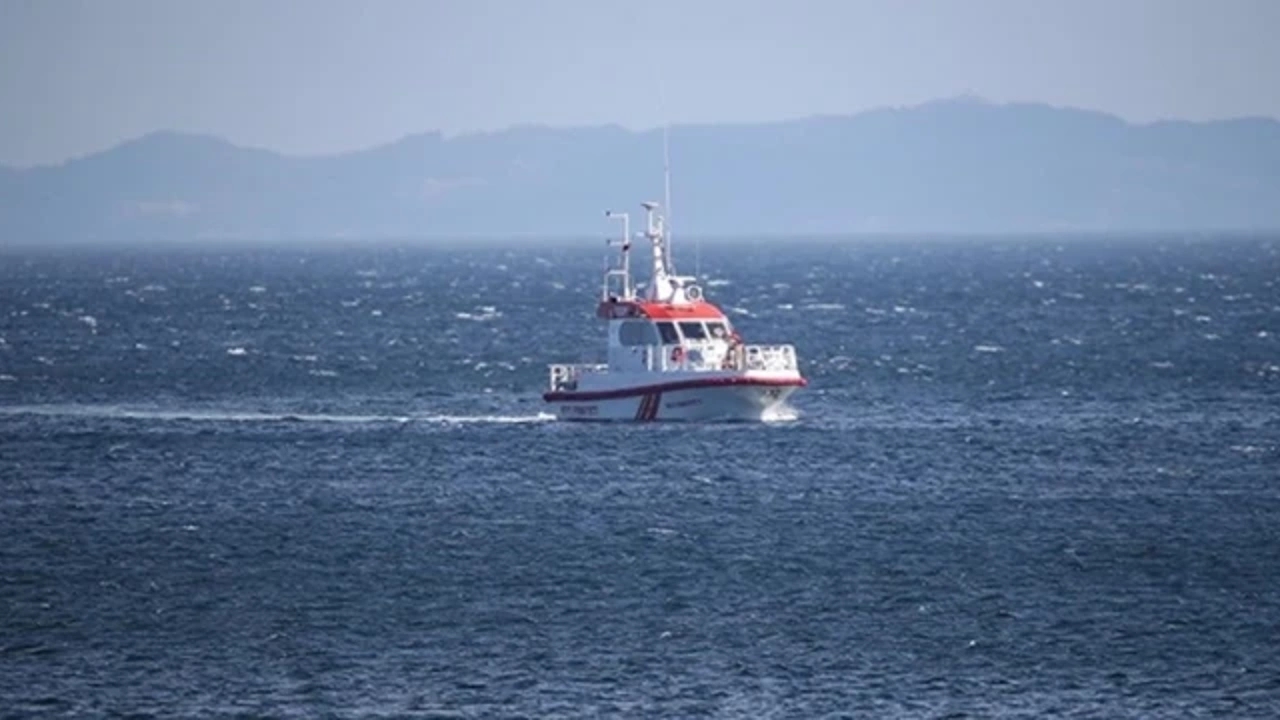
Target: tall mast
666,192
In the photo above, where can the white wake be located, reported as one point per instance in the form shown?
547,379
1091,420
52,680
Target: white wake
219,415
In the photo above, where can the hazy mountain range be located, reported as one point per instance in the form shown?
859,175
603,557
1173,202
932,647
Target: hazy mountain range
950,166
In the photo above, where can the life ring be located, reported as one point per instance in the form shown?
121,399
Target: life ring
677,354
693,292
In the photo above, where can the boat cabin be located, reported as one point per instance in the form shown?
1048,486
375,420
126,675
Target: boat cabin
664,325
657,336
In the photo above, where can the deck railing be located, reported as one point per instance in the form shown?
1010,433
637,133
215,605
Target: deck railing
772,358
769,357
742,357
566,376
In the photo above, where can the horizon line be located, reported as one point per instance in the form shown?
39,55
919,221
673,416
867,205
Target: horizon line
177,242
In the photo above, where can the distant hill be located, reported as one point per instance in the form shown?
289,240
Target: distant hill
948,166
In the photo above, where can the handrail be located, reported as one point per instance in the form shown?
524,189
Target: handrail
565,376
768,358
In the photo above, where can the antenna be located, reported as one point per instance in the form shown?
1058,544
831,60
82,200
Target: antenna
666,172
666,188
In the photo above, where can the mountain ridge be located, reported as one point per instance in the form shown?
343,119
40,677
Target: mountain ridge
955,165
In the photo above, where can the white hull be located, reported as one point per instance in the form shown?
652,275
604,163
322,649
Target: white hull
743,401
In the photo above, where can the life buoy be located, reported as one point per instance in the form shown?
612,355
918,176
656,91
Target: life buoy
693,292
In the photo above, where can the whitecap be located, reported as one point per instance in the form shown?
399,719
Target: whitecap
784,413
484,312
988,348
237,351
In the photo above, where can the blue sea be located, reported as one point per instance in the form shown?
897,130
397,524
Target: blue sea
1030,477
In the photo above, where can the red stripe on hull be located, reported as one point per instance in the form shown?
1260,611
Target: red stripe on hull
653,406
589,395
648,408
640,411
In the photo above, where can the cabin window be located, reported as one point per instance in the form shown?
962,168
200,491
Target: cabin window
668,332
693,331
637,332
717,330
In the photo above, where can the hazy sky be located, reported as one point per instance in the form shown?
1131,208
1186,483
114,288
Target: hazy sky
313,76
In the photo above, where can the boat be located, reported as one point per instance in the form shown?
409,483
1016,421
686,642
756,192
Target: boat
672,354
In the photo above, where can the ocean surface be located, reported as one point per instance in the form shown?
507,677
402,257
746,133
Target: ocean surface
1030,477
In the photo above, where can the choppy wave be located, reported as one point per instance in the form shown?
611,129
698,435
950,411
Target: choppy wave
1061,492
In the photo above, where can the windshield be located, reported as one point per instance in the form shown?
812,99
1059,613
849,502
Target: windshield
693,331
668,332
